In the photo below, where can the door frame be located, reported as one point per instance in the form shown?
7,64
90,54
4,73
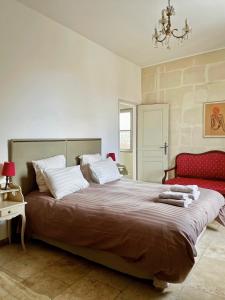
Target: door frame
133,106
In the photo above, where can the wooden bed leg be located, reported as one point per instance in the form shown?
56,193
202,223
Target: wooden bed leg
159,284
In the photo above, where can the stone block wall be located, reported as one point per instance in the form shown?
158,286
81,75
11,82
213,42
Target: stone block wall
186,84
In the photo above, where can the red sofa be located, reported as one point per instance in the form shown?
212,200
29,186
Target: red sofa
207,170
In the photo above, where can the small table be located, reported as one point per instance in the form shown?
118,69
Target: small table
12,205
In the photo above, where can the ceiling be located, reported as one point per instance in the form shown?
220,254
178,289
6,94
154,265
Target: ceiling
125,26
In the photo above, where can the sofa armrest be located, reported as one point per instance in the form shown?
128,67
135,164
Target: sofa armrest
165,174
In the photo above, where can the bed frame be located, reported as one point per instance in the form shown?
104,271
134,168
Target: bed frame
22,152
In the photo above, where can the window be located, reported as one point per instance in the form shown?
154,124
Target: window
126,130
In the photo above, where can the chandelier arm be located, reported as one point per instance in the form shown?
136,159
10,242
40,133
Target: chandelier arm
162,40
179,36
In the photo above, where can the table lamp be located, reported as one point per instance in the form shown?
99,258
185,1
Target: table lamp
8,171
112,155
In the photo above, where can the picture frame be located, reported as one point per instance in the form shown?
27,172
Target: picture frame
214,119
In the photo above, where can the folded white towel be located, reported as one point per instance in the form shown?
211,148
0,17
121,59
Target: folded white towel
194,196
182,203
173,195
184,188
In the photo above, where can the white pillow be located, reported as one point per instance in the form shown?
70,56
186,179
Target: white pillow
89,158
62,182
104,171
53,162
85,160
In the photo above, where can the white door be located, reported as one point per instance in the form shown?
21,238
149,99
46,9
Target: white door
152,145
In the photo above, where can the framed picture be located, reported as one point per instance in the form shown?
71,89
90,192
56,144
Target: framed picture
214,119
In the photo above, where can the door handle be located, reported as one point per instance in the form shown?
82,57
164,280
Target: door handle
165,148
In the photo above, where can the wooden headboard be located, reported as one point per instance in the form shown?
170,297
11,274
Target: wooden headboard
22,152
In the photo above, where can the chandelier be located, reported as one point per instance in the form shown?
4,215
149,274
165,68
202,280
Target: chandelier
166,31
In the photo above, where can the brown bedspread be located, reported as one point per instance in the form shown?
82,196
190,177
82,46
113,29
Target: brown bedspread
122,218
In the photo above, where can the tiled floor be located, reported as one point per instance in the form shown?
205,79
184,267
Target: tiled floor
62,276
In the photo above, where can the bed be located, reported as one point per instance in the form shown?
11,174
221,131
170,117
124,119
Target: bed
117,224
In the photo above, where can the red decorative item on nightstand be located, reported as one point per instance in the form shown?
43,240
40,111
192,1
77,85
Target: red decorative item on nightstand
112,155
8,171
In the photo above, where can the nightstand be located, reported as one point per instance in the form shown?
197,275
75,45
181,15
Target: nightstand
12,205
122,169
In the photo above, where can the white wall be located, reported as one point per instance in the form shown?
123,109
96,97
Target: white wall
55,83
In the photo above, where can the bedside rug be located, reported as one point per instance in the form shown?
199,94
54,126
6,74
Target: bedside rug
11,289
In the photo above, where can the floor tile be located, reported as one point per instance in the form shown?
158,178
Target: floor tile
214,232
144,290
206,239
216,249
69,269
209,276
12,275
44,251
88,289
3,294
113,278
9,253
45,284
25,266
200,251
190,293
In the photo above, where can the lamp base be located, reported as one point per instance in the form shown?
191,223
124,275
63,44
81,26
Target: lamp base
7,182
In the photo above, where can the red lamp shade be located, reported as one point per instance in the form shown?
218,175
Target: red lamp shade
9,169
112,155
